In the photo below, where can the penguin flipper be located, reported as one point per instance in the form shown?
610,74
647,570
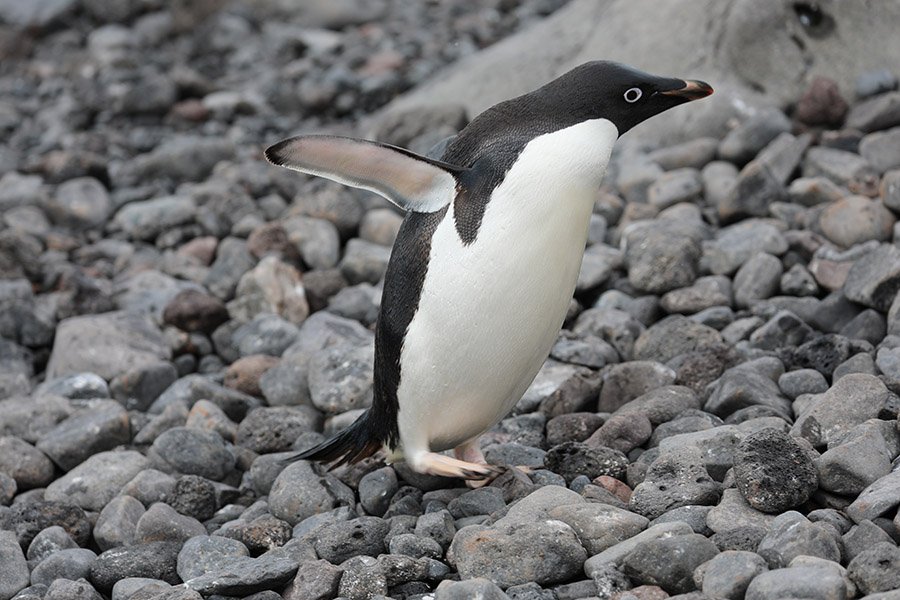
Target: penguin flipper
414,183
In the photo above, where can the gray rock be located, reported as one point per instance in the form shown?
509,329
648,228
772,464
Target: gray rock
678,185
363,577
880,149
599,526
746,140
615,555
659,261
188,390
206,415
194,452
299,492
793,535
14,575
155,560
773,471
478,587
272,286
101,425
240,575
855,220
343,540
876,569
105,344
797,582
340,379
845,168
851,400
733,512
734,245
78,386
874,280
160,523
694,153
782,330
878,112
364,261
265,334
543,552
31,418
669,562
315,580
693,515
28,519
705,293
862,537
810,191
757,279
623,432
662,404
483,501
202,554
139,387
741,388
717,446
802,381
877,499
232,261
274,429
49,541
358,302
71,563
613,326
627,381
859,458
744,538
728,574
27,465
147,219
66,589
875,81
96,481
599,262
438,526
117,522
408,544
676,478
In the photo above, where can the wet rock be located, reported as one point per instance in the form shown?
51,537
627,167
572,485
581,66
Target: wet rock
773,472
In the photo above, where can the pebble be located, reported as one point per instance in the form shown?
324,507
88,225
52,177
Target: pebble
705,293
154,560
623,432
274,429
161,523
571,459
774,472
859,458
299,492
343,540
243,574
478,587
877,499
14,576
96,481
802,381
757,279
627,381
734,245
615,555
728,574
856,219
70,563
28,466
315,580
202,554
853,399
341,378
47,542
878,112
102,425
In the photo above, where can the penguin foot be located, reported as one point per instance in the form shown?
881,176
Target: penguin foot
432,463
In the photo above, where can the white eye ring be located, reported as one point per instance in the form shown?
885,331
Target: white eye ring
632,95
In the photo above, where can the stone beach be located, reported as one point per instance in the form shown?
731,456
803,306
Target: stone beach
717,420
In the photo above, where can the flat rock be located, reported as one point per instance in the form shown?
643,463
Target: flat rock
669,562
797,582
14,576
599,526
106,344
877,499
851,400
154,560
102,425
202,554
23,462
676,478
875,279
299,492
615,555
194,452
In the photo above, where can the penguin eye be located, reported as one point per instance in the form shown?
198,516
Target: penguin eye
633,95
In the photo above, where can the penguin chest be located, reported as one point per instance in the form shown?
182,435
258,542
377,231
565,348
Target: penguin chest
490,310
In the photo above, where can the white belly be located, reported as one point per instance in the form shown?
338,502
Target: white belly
490,312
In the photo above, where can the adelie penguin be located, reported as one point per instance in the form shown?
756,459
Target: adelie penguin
486,260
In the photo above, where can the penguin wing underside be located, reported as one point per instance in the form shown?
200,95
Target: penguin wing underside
412,182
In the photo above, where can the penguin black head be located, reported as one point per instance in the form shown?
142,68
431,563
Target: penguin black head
615,92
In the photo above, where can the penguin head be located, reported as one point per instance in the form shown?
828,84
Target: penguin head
615,92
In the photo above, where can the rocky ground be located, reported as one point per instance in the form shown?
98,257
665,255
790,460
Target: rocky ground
717,420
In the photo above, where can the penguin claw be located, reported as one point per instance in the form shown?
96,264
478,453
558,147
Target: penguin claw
437,464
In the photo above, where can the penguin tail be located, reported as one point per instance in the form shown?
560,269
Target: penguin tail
350,445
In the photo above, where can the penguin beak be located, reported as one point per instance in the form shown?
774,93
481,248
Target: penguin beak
692,90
